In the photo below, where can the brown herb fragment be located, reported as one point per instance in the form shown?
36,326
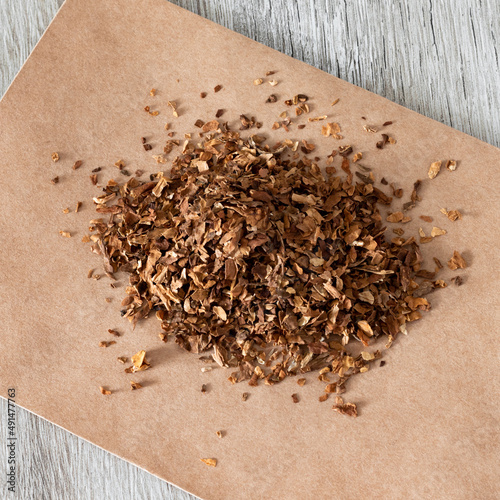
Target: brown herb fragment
217,88
104,391
457,262
453,215
258,81
436,231
219,113
93,179
244,396
348,409
457,280
113,332
335,102
323,398
139,362
147,147
426,218
385,124
77,164
65,211
203,95
212,462
134,385
122,359
301,382
55,180
357,157
272,98
220,434
273,83
451,165
55,157
65,234
295,398
105,343
434,169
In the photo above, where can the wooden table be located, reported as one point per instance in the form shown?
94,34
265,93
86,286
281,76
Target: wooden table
439,58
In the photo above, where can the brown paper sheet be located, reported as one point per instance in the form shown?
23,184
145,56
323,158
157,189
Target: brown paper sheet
428,424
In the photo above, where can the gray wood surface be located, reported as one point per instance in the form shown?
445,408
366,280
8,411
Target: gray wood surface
440,58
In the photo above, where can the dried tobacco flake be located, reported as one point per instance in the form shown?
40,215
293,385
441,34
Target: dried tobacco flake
323,398
55,180
217,88
434,169
65,234
273,83
265,262
113,332
457,262
426,218
272,98
220,434
453,215
436,231
122,359
77,164
134,385
55,157
104,391
105,343
219,113
301,382
258,81
451,165
212,462
457,280
348,409
385,124
335,102
295,398
203,95
244,396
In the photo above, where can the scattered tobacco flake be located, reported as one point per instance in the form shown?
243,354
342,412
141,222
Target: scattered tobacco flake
438,263
273,83
122,359
108,300
383,142
78,206
453,215
262,261
65,211
323,397
426,218
269,73
457,280
77,164
105,343
212,462
65,234
301,126
217,88
203,95
301,382
272,98
113,332
203,389
414,196
55,157
396,192
335,102
258,81
93,179
152,92
457,262
369,128
382,363
317,118
147,147
385,124
348,409
173,105
220,434
139,362
434,169
436,231
120,164
244,396
219,113
104,391
134,385
451,165
357,157
163,337
295,398
90,273
55,180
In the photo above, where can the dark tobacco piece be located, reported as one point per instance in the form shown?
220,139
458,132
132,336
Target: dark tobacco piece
267,263
244,396
147,147
217,88
385,124
272,98
55,180
295,398
219,113
77,164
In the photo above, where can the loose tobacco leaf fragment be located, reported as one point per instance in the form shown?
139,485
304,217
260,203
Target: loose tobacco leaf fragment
105,343
212,462
457,262
65,234
219,113
134,385
451,165
203,95
139,362
434,169
122,359
55,157
426,218
453,215
323,398
113,332
104,391
258,81
220,434
217,88
436,231
295,398
457,280
77,164
273,83
301,382
244,396
348,409
55,180
335,102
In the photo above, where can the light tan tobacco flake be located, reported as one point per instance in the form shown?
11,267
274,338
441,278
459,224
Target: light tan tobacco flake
212,462
104,391
436,231
258,81
453,215
134,385
55,157
434,169
65,234
451,165
457,262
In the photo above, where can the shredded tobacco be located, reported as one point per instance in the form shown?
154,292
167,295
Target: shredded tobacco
265,261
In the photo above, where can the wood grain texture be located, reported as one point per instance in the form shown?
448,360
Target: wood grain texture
438,58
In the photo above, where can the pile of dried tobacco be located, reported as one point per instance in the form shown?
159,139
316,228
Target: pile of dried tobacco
262,258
